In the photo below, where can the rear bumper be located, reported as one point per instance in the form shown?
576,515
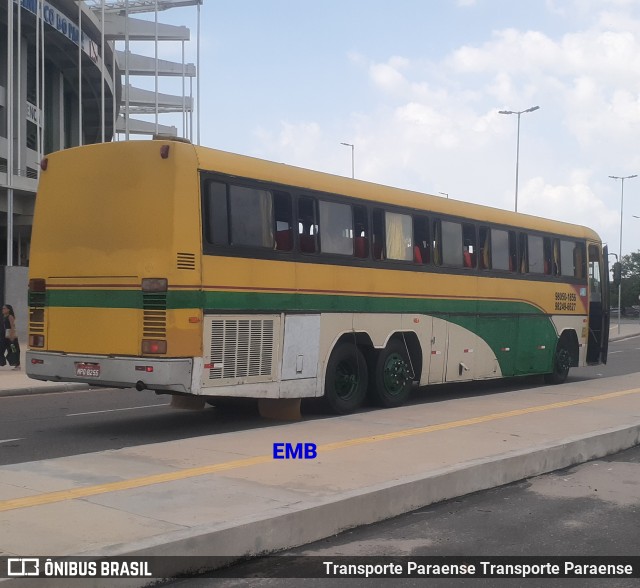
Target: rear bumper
173,375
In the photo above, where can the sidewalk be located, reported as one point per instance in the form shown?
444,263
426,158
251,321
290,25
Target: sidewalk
16,382
225,495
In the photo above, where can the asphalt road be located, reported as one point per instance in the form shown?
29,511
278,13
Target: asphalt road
592,509
42,426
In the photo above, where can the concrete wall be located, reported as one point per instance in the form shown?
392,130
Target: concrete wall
14,282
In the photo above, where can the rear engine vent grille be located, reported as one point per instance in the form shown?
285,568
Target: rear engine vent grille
242,349
36,311
154,315
186,261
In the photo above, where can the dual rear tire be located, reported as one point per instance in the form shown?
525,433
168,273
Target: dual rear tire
387,377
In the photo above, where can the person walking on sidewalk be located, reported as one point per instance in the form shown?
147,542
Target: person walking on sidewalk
10,345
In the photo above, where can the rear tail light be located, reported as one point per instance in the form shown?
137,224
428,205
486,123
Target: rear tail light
155,284
36,315
37,285
36,340
154,346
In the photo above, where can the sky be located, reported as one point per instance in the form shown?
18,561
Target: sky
417,85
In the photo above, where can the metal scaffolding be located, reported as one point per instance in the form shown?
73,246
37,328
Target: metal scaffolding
138,6
100,25
118,25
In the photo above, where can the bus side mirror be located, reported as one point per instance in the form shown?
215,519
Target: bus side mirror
617,273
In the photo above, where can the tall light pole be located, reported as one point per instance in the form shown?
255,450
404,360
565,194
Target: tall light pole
353,173
622,179
518,112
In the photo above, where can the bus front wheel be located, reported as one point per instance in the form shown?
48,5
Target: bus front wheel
345,383
561,365
392,376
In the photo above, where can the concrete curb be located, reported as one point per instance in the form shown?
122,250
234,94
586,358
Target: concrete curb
623,337
299,524
62,387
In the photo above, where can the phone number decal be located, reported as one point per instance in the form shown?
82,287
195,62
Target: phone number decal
566,301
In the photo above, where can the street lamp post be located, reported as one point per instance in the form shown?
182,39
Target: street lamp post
518,112
622,179
353,173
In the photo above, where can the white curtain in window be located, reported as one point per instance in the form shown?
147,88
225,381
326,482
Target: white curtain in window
399,236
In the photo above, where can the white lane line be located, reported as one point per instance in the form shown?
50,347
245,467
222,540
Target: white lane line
612,352
116,409
9,440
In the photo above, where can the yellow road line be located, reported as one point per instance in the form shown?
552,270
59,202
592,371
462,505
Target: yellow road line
84,492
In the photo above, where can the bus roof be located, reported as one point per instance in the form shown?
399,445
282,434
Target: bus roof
268,171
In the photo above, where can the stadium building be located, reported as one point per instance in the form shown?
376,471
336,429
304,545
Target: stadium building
68,77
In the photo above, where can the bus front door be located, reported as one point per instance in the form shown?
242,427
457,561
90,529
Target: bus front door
598,343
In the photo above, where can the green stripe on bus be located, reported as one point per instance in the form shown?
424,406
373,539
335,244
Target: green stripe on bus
287,302
521,336
94,298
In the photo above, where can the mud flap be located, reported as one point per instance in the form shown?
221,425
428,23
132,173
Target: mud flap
282,409
187,402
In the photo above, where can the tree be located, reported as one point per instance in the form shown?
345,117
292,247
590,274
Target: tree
631,265
630,279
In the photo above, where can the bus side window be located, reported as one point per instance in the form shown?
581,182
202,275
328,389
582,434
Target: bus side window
421,243
361,232
452,244
283,219
595,279
536,255
484,257
546,251
503,250
513,252
251,216
216,217
469,245
571,256
556,265
437,242
378,234
398,231
523,261
307,225
336,221
579,261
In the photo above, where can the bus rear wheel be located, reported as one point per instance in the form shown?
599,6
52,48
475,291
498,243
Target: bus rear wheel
561,365
345,384
392,376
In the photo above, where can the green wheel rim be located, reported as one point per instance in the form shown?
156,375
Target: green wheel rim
346,380
395,374
563,361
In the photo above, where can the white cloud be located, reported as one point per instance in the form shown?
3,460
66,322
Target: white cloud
436,125
573,201
387,75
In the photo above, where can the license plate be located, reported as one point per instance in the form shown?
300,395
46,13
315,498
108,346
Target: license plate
88,370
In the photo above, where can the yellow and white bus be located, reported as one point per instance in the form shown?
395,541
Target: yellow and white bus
165,266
